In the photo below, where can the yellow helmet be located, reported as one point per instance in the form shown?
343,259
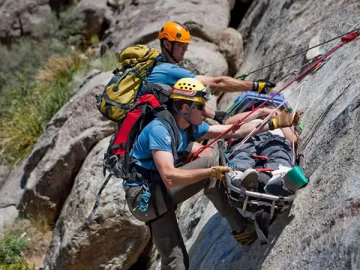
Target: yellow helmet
190,89
173,31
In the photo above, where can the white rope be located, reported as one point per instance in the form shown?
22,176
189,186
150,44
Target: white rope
257,127
296,106
263,122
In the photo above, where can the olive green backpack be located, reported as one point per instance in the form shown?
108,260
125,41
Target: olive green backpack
120,93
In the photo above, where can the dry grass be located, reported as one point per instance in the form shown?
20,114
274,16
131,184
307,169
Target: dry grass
23,122
60,69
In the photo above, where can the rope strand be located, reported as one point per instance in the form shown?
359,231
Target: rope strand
351,36
296,54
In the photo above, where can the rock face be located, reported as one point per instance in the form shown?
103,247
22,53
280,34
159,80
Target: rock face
230,44
324,230
4,173
114,240
56,159
321,231
212,42
21,18
208,18
97,16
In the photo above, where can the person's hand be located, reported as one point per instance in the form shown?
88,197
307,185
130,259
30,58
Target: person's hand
284,119
262,86
297,118
218,172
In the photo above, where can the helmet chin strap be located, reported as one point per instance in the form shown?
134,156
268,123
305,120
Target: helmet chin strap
185,115
170,53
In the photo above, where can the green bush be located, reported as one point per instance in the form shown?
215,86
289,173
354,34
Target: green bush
108,62
24,240
11,248
23,60
37,77
29,109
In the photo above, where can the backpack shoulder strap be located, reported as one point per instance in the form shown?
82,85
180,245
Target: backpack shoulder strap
169,122
161,59
190,134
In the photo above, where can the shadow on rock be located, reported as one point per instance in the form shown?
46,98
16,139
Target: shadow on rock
215,248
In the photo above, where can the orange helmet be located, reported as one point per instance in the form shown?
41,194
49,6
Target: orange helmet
174,31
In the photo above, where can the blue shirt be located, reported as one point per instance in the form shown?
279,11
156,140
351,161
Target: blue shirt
166,73
155,136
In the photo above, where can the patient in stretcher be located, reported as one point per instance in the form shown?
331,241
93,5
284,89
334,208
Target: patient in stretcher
264,162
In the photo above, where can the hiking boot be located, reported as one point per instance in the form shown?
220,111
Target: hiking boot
247,236
247,179
277,187
262,224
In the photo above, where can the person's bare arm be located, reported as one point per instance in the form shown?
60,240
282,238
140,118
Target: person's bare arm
260,113
241,132
208,112
283,119
290,134
172,176
233,119
225,83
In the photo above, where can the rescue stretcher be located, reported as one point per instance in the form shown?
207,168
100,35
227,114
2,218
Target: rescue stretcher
250,201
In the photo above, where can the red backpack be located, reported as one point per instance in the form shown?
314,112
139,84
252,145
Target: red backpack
152,104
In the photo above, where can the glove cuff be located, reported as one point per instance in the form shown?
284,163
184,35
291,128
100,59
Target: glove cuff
213,172
255,86
219,116
273,124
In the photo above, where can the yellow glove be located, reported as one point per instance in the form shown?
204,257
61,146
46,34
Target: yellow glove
284,119
262,86
218,172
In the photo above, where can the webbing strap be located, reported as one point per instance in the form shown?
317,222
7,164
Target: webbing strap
97,200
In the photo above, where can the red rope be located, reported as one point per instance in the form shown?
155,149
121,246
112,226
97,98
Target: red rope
345,39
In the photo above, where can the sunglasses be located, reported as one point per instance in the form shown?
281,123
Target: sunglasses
182,45
200,107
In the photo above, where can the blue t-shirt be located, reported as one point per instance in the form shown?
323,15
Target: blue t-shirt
155,136
166,73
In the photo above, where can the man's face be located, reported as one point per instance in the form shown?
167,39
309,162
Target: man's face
196,114
178,49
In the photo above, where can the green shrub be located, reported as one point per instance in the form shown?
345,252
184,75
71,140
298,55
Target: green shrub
24,240
11,248
28,112
28,105
23,60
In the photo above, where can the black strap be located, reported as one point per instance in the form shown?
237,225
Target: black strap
169,122
190,134
155,179
97,200
153,193
117,146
